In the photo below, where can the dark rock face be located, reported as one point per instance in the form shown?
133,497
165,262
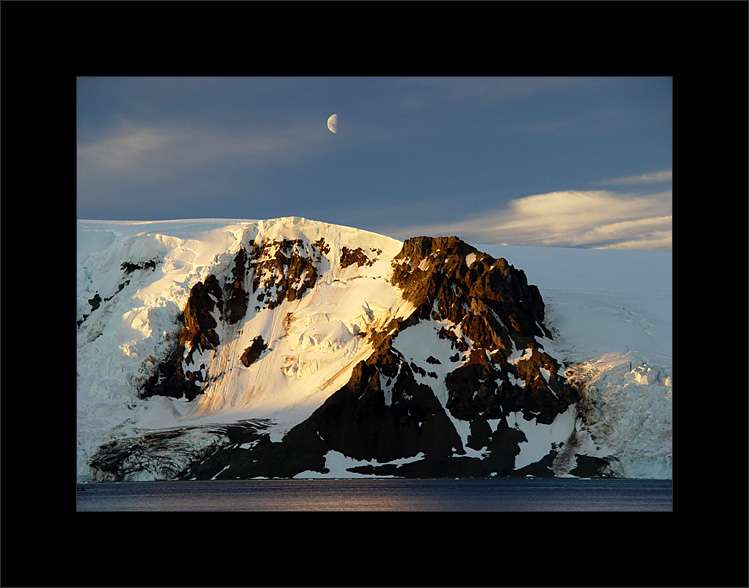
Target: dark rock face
359,421
95,302
172,379
235,294
284,270
356,256
172,376
130,267
251,354
434,273
592,467
199,330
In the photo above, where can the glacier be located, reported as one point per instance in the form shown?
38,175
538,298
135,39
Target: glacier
608,313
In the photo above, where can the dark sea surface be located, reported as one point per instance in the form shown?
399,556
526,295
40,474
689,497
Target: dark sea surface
378,494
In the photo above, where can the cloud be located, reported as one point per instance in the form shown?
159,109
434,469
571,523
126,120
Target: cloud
126,147
168,167
651,178
148,153
593,219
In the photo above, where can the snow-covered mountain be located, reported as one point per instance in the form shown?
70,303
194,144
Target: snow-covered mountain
224,349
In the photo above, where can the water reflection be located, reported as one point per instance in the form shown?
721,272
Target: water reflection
380,495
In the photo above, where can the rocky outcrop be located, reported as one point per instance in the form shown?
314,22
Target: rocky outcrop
171,378
284,270
356,256
236,296
129,267
199,332
444,274
384,414
252,353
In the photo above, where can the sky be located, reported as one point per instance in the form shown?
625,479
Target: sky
543,161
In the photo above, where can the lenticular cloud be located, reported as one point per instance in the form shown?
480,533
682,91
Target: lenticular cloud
588,218
594,219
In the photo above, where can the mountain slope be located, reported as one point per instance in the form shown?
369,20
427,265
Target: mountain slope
220,349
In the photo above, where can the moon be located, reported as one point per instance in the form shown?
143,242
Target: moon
333,123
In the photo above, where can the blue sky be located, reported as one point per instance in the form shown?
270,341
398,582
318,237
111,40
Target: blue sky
572,162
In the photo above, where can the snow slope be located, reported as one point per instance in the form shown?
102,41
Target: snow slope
606,308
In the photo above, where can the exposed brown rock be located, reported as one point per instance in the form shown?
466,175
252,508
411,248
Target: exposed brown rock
251,354
285,270
322,246
355,256
199,330
433,273
235,294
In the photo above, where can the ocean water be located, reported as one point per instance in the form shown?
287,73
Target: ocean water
381,494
